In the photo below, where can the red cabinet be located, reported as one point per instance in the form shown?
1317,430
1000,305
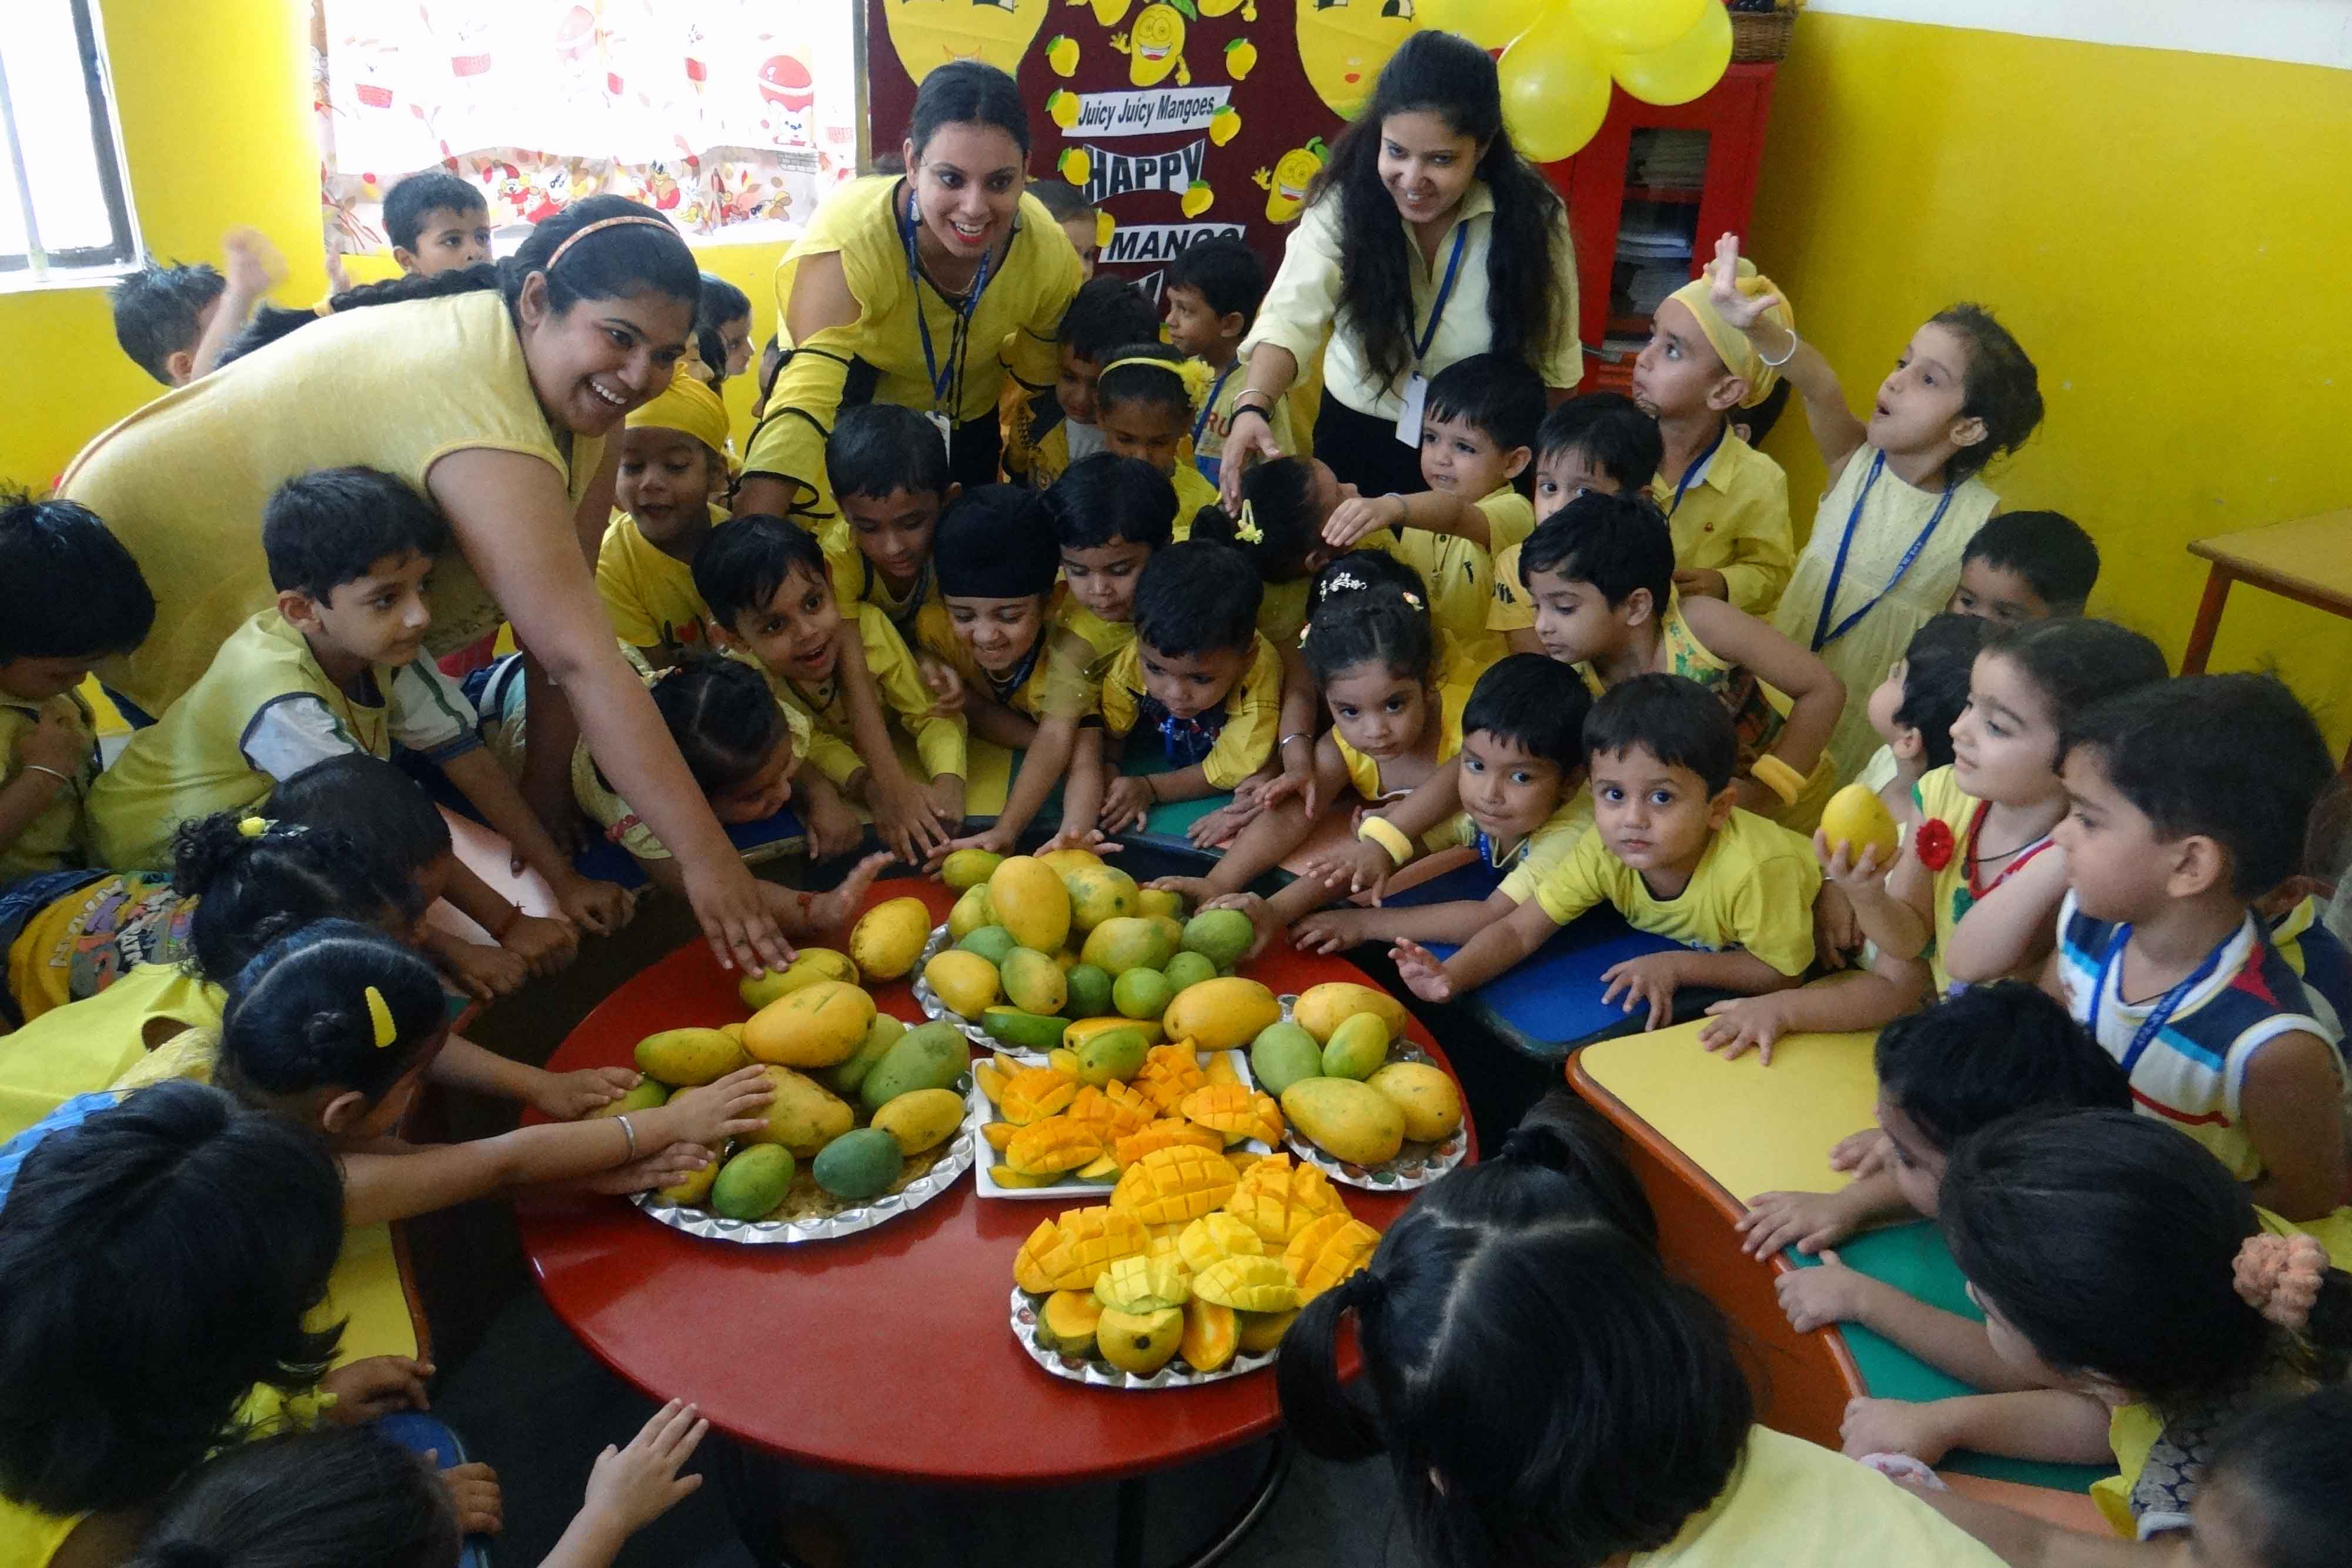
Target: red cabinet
1646,199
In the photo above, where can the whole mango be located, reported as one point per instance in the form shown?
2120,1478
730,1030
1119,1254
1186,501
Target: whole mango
971,912
1223,936
813,965
845,1076
1856,818
857,1166
922,1119
1063,862
1100,892
969,868
1163,900
1114,1053
1189,969
1357,1048
1142,994
1351,1121
994,943
889,937
693,1188
751,1184
1031,902
1431,1102
803,1116
1321,1008
816,1026
1033,982
643,1097
929,1056
1124,943
966,982
1222,1015
686,1057
1089,991
1282,1054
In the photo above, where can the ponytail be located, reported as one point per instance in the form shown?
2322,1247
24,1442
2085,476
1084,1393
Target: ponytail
256,880
333,1006
1278,525
639,252
721,714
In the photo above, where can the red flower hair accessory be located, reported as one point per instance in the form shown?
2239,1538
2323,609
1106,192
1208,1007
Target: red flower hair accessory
1933,843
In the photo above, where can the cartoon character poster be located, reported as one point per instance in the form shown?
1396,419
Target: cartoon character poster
1179,119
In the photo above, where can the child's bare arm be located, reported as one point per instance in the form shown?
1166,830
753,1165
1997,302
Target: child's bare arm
50,757
1049,756
1810,1221
1434,510
2291,1106
1493,951
253,268
903,817
1082,796
1871,999
1458,922
1960,1347
1275,831
1294,749
2013,926
2046,1424
599,906
1835,430
1817,696
2021,1540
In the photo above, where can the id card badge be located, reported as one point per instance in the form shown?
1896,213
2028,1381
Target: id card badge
1408,425
947,431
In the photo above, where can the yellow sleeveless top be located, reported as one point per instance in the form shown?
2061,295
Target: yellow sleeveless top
85,1046
30,1538
1791,1503
182,481
1364,772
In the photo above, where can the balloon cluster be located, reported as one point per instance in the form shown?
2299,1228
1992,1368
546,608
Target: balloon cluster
1560,55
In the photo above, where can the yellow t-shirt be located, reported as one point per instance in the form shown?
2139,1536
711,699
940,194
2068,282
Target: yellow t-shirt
863,223
1793,1505
1733,518
649,593
1214,421
1513,608
85,1046
855,580
1054,684
182,481
1192,492
941,743
263,709
1105,637
54,839
1253,712
1753,891
77,945
31,1539
1281,610
1532,858
1460,575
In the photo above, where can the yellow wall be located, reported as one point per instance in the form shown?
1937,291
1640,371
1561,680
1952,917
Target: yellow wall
2159,230
215,97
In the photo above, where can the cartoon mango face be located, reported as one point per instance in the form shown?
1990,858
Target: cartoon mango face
1286,186
1155,45
1343,44
928,34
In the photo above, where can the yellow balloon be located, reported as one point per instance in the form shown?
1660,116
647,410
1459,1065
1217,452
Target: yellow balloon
1637,26
1555,88
1489,24
1685,70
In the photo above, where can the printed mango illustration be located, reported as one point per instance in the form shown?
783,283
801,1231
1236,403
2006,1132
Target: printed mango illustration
1062,53
1105,226
1157,43
1293,173
1197,198
1062,108
1343,44
1076,165
1220,7
1224,125
1106,12
1241,58
928,34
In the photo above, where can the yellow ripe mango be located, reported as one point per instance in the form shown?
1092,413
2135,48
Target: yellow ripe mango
1430,1101
1222,1015
922,1119
803,1116
1351,1121
889,937
813,965
685,1057
1856,818
966,982
1322,1008
816,1026
1031,902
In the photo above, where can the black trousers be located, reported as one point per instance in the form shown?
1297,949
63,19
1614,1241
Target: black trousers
1362,449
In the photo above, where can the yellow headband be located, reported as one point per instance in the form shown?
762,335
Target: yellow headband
1193,374
576,235
685,405
1731,345
380,1014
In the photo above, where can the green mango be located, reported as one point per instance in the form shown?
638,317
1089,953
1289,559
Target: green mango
686,1057
847,1076
1282,1054
994,943
1114,1053
1189,969
1026,1031
929,1056
1357,1048
1220,935
859,1165
643,1097
751,1184
1089,989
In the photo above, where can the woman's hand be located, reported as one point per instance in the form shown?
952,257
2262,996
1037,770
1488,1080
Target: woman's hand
735,917
1247,441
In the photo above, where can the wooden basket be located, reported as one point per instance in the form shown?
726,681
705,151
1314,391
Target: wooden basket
1761,34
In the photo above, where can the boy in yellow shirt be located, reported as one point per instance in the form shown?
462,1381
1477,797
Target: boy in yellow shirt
1198,673
1048,435
671,466
845,666
1726,502
1599,443
1672,852
75,596
1108,515
1213,289
888,470
338,666
1478,431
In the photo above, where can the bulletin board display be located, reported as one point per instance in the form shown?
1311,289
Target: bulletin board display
1181,118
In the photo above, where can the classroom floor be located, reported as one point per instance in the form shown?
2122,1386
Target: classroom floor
534,1404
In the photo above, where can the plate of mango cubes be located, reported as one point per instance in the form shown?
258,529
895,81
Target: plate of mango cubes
1191,1272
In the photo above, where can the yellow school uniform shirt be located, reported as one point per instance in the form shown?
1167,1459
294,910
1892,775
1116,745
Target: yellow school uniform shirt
941,743
855,582
1752,892
1532,858
649,593
1281,610
1105,637
54,839
1192,492
1513,608
1253,712
85,1046
31,1539
80,943
1791,1504
1215,422
1460,575
1054,684
1364,772
182,482
219,749
1302,304
1758,712
862,223
1733,518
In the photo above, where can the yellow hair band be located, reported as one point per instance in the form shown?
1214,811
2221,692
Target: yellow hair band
253,827
1193,374
380,1014
1245,529
1731,345
687,405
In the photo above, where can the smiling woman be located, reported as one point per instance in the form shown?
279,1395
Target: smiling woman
492,390
908,291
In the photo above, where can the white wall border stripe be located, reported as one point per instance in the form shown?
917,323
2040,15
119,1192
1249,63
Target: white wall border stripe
2298,32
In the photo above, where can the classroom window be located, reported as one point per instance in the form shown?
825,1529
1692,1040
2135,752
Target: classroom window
733,116
65,217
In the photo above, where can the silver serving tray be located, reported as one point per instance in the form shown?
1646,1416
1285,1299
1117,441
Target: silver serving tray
1416,1165
713,1226
928,999
1103,1374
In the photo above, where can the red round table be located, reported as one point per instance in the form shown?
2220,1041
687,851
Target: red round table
888,1352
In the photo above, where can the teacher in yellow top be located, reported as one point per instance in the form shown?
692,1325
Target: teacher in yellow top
490,389
1426,240
925,289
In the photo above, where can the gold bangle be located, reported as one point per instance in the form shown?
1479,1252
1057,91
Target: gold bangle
1388,836
1778,777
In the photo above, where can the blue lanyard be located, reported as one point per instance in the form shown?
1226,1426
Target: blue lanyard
940,379
1444,292
1691,473
1216,391
1823,633
2161,1013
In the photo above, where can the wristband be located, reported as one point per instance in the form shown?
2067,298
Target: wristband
1388,836
1778,777
1239,409
631,1133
